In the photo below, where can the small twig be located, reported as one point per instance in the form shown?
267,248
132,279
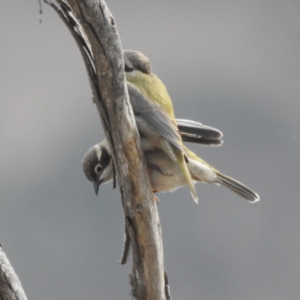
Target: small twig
40,11
126,248
167,287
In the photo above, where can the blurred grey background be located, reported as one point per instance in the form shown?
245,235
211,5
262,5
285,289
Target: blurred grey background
233,65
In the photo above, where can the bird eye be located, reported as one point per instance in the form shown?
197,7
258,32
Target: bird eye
98,168
128,69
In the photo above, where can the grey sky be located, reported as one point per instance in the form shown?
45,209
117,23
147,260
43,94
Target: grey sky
233,65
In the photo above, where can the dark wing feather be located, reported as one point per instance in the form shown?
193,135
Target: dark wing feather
196,132
199,140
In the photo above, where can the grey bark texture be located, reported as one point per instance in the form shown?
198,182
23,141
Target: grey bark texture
10,285
95,32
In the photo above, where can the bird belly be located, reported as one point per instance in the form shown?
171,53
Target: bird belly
165,175
162,182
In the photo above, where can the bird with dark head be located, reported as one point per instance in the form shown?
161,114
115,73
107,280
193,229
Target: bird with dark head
98,165
139,74
164,173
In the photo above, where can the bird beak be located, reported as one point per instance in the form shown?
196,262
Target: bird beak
96,186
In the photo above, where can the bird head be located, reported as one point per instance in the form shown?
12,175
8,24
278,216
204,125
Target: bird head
136,61
97,165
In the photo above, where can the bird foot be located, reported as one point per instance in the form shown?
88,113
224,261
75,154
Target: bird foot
155,199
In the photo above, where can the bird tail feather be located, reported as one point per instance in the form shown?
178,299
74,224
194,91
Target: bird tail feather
188,178
238,187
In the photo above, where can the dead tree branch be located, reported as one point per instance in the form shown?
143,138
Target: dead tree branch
95,32
10,285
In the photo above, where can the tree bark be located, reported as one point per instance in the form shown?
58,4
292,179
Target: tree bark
10,285
95,32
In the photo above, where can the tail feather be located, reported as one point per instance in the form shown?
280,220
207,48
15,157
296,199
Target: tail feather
238,188
188,177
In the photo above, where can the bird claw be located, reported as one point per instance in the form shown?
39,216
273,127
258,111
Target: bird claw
155,199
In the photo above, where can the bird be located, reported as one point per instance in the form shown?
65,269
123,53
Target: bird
98,165
138,72
164,173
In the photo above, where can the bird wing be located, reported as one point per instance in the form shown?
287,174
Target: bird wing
199,140
196,132
152,117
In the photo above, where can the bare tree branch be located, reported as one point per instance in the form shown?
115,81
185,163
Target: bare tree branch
10,285
94,30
